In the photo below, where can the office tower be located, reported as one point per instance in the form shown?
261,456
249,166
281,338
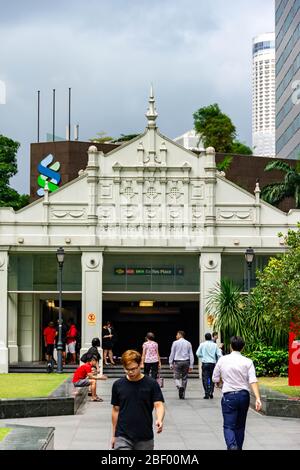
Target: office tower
263,95
287,28
190,140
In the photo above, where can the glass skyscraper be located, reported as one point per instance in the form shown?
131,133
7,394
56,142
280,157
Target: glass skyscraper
287,20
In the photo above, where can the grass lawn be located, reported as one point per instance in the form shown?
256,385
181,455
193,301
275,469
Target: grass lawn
280,384
29,385
4,432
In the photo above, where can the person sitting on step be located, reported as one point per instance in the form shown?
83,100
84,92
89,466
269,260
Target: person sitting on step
85,377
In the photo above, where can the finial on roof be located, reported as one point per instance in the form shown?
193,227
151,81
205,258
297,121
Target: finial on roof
257,188
151,113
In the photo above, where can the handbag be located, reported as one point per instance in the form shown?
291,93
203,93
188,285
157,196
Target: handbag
160,381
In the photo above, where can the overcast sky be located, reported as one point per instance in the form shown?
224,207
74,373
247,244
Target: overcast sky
196,52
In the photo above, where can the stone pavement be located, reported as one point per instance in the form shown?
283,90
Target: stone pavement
190,424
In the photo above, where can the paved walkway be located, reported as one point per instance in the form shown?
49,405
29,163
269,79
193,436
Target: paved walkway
190,424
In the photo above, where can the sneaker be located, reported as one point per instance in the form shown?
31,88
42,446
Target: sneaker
206,397
211,396
181,393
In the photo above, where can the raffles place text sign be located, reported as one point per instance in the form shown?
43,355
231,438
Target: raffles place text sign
144,271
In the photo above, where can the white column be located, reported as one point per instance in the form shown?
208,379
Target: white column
3,312
210,275
210,196
13,328
12,299
25,326
91,320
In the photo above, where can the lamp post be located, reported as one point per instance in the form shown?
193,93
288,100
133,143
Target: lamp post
60,255
249,257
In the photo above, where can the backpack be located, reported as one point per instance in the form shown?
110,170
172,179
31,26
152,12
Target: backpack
85,357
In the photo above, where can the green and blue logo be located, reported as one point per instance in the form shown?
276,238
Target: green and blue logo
49,174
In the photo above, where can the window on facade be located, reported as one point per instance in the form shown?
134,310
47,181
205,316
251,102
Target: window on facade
38,272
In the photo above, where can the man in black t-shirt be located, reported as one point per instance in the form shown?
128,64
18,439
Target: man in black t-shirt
133,399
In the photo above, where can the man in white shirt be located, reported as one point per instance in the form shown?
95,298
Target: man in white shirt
181,359
238,375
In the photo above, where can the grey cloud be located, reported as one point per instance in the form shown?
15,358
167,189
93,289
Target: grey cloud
195,52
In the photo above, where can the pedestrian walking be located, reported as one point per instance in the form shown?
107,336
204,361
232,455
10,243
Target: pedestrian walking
150,357
181,360
49,338
133,399
71,338
215,337
209,353
237,373
64,330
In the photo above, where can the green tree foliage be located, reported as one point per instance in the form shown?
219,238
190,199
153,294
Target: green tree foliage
224,165
218,131
233,315
226,305
240,148
278,287
270,362
290,186
101,138
8,168
125,137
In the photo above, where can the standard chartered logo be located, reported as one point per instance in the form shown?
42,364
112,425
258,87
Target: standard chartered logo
48,174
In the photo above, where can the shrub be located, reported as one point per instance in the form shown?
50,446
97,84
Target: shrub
270,362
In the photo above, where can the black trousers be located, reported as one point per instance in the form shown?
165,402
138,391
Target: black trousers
207,372
151,368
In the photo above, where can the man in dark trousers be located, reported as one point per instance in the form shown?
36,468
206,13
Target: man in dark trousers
181,360
133,399
209,353
238,375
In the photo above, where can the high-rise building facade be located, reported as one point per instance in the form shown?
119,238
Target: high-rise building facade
190,140
263,95
287,21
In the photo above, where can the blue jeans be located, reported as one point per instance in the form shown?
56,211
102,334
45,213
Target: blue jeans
235,408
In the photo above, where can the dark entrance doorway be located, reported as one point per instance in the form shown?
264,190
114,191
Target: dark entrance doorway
49,312
164,319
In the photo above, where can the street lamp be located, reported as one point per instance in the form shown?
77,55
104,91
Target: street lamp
249,257
60,255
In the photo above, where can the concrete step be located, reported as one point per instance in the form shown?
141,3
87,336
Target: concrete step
111,371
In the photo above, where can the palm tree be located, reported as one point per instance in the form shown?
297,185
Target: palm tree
290,186
226,305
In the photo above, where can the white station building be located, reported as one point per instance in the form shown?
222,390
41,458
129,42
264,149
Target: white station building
150,221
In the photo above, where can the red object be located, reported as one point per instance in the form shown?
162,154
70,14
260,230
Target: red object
294,359
82,372
49,334
71,334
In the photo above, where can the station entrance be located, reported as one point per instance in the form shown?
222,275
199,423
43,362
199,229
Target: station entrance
71,309
132,320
